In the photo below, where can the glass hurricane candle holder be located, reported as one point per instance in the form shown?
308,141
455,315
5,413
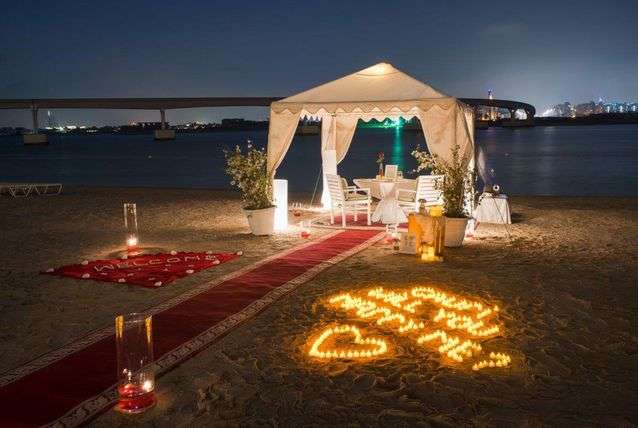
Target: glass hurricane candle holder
130,225
136,377
304,227
434,238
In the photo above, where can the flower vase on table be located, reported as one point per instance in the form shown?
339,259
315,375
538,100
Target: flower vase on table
380,160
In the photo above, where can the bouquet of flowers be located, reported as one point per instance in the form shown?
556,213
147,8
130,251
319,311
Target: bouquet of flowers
380,160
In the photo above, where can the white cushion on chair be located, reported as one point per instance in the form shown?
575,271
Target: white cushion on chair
356,197
405,198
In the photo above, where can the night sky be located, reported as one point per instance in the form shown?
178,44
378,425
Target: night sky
538,52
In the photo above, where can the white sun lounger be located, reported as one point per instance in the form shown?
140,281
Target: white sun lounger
21,190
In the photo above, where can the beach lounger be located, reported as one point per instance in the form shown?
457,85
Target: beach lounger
22,190
48,189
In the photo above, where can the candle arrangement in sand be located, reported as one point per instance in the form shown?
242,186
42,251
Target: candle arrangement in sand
455,327
367,347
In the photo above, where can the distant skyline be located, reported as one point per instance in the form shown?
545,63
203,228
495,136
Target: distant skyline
542,53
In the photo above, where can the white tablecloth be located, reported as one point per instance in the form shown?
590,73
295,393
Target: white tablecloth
374,185
388,210
493,209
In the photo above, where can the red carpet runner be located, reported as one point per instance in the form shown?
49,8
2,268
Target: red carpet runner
69,386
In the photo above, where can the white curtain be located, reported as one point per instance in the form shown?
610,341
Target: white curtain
443,127
346,126
444,122
437,124
336,135
281,131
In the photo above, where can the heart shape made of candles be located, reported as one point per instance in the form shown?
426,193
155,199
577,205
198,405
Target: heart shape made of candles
367,347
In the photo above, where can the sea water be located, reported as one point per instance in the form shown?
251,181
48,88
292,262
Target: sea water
561,160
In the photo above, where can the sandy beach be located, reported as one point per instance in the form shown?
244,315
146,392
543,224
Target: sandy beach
563,274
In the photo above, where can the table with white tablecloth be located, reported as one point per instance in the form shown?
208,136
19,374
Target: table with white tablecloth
374,184
493,209
388,210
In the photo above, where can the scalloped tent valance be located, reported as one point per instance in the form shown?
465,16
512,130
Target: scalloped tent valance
376,92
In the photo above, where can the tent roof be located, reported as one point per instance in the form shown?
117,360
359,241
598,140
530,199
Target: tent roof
381,82
375,92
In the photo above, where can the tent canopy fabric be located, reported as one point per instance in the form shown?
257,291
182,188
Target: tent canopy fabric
377,92
381,82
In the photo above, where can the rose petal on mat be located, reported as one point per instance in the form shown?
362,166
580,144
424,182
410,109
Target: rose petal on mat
158,284
85,262
189,271
86,275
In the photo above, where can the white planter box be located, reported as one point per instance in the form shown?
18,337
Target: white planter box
262,222
455,231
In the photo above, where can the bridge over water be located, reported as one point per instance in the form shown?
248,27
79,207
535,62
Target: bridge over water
163,104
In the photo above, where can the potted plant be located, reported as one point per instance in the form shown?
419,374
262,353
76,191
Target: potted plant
456,182
248,173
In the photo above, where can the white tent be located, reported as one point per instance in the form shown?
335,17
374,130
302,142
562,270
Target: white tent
377,92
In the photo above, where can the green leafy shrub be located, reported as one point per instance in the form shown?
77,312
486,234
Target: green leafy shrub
248,173
456,182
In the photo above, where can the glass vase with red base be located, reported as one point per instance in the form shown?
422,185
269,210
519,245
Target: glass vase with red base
136,377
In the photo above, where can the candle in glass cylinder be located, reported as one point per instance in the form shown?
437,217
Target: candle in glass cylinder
414,227
130,225
136,377
305,229
437,219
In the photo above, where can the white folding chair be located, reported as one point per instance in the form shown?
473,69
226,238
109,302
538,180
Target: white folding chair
426,188
344,198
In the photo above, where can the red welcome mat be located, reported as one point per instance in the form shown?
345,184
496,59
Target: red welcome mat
148,270
70,385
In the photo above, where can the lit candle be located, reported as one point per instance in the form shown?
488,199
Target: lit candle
131,241
462,325
427,253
